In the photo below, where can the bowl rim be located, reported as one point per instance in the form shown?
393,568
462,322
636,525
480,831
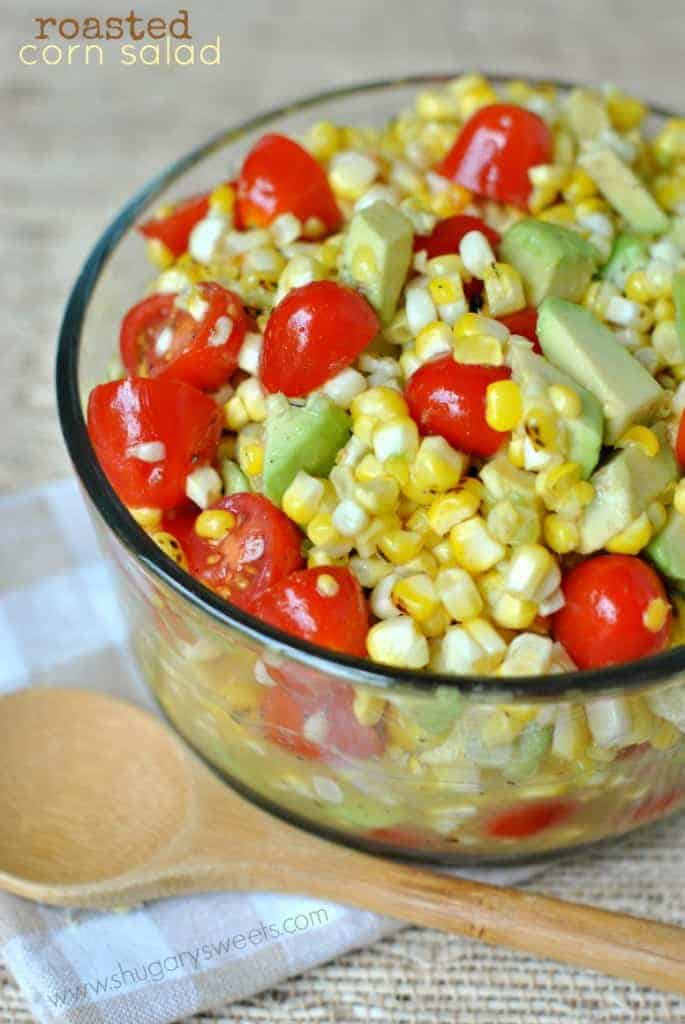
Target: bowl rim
646,672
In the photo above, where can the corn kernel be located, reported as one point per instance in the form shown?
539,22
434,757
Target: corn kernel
444,290
656,615
476,323
669,144
222,199
541,429
416,595
319,557
433,340
214,523
565,401
381,494
624,111
579,186
561,214
381,403
679,498
633,539
396,436
400,546
368,708
438,466
666,736
171,547
363,428
503,289
251,458
516,452
657,516
302,498
554,483
561,535
158,254
664,310
321,530
503,405
643,437
398,642
459,594
514,612
148,518
478,349
637,287
473,547
447,510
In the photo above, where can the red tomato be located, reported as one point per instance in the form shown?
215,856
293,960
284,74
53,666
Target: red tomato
654,807
174,229
529,819
286,707
495,150
680,442
279,176
525,323
126,413
445,237
203,353
263,547
602,622
312,334
448,398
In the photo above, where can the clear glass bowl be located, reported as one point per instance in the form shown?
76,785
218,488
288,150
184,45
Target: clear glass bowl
459,769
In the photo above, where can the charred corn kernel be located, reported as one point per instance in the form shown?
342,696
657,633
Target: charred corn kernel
516,452
624,111
158,254
552,484
323,140
679,498
379,495
398,642
235,414
579,186
214,523
400,546
459,594
474,323
171,547
380,403
541,428
657,516
514,612
560,213
396,436
656,614
368,708
664,310
363,427
448,510
633,539
637,287
438,466
565,401
479,349
321,530
148,518
669,144
416,595
503,405
665,736
560,534
473,547
643,437
302,498
598,296
503,289
251,458
222,199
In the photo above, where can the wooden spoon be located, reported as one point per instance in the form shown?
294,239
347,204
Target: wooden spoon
101,806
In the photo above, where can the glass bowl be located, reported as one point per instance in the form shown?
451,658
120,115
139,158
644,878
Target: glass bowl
452,769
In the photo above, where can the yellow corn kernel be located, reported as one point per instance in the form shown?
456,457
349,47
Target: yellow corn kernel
516,452
433,340
473,547
625,112
214,523
459,594
379,495
547,180
363,428
222,199
448,510
679,498
565,401
666,736
541,428
476,323
425,562
323,140
319,557
669,189
561,214
514,612
364,266
592,205
235,414
633,539
148,518
643,437
302,498
158,254
473,486
438,466
473,99
669,144
503,289
637,287
656,614
444,290
397,466
367,468
554,483
251,458
598,296
400,546
171,547
416,595
503,405
491,586
579,186
561,535
368,708
321,530
479,349
451,200
664,309
380,403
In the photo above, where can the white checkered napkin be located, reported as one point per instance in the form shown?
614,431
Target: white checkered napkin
60,625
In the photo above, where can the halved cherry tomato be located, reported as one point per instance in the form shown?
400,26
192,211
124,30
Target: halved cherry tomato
261,549
529,819
603,619
445,237
525,323
174,229
312,334
448,398
680,441
279,176
495,150
125,414
203,353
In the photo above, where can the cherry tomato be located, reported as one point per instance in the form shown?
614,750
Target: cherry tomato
529,819
174,229
525,323
603,620
680,441
312,334
445,237
263,547
495,150
279,176
203,353
184,424
448,398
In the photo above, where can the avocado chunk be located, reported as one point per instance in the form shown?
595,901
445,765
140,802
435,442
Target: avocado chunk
679,302
623,190
575,341
551,260
299,437
624,488
628,253
504,481
586,114
667,550
584,433
376,255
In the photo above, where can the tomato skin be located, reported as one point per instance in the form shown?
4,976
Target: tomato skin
312,334
192,355
445,237
174,230
680,441
495,150
529,819
229,566
448,398
279,176
128,412
525,323
602,620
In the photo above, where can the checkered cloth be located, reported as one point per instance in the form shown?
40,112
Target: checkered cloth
60,625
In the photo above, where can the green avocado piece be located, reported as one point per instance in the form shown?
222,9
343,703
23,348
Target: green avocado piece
380,239
551,260
529,749
299,437
624,488
623,190
586,114
575,341
435,712
584,433
629,253
667,550
679,302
